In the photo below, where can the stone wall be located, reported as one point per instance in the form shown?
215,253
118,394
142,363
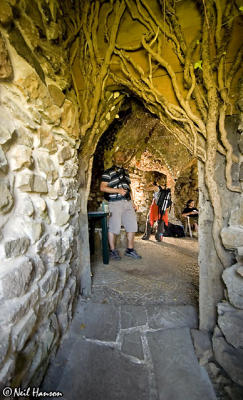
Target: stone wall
221,290
39,226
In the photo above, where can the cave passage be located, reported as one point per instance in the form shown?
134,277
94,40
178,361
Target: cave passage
168,271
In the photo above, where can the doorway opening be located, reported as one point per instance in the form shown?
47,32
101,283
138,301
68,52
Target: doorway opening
168,272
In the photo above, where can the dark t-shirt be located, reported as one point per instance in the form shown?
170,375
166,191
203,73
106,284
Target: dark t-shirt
188,209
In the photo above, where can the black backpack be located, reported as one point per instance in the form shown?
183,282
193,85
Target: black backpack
163,200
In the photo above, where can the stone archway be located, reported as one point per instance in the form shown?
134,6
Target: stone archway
60,90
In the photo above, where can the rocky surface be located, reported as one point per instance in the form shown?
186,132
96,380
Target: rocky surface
111,352
44,238
39,276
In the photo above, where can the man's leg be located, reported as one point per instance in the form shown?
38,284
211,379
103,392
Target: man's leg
129,221
112,240
160,230
130,240
114,226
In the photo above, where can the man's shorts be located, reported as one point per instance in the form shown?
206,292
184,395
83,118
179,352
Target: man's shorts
122,213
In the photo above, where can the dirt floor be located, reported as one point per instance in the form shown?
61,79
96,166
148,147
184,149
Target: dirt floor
168,273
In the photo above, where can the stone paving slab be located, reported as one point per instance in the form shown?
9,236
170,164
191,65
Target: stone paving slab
112,353
129,318
97,321
132,345
166,317
97,372
178,374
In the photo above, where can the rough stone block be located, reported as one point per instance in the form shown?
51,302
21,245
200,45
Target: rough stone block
53,192
230,321
240,271
6,69
69,118
40,185
24,138
25,206
70,190
15,277
3,161
52,115
46,165
48,304
64,154
232,237
6,14
48,283
41,354
60,213
57,95
65,305
202,345
25,182
230,359
4,343
5,135
40,205
235,392
51,250
6,372
14,309
21,157
22,330
47,140
234,284
16,247
6,198
241,172
39,267
33,229
70,169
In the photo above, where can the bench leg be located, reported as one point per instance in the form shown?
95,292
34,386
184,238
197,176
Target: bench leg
91,237
189,226
105,246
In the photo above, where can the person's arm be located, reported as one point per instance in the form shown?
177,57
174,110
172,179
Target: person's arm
187,214
105,188
131,195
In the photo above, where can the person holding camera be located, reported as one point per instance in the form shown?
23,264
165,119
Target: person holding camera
115,183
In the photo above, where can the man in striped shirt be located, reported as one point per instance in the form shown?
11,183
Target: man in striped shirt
115,183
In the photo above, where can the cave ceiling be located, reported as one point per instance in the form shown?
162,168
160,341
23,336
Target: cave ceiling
98,52
147,143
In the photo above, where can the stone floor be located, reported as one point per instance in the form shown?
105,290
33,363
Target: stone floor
132,340
168,273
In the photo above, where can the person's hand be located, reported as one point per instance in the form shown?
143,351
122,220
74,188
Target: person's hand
122,191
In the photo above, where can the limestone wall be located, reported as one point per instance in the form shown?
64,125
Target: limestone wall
221,290
39,207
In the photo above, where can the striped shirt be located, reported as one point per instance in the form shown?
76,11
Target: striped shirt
117,177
